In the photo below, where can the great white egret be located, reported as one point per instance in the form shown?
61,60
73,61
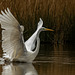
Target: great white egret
14,47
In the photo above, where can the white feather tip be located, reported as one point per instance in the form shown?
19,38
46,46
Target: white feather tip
40,23
8,10
40,19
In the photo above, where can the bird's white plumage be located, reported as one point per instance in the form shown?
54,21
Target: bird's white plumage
40,24
12,44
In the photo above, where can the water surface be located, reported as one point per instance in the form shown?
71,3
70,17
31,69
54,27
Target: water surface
51,60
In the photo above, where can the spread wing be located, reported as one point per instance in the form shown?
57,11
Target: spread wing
12,36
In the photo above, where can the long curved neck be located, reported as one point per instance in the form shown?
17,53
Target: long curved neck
30,43
37,47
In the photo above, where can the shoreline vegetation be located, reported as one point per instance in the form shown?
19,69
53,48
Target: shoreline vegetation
56,14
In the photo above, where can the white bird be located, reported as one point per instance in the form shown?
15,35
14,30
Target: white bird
14,47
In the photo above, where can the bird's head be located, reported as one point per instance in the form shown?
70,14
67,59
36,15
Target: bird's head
41,28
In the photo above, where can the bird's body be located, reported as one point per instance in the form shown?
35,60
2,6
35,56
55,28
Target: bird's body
14,47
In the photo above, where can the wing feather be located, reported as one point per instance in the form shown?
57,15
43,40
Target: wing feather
12,36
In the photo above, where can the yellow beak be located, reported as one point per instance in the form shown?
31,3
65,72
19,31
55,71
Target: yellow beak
48,29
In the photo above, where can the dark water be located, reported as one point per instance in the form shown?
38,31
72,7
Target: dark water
51,60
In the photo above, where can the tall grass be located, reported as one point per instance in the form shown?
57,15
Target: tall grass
56,14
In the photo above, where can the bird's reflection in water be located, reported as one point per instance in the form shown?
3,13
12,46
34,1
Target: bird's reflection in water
19,69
